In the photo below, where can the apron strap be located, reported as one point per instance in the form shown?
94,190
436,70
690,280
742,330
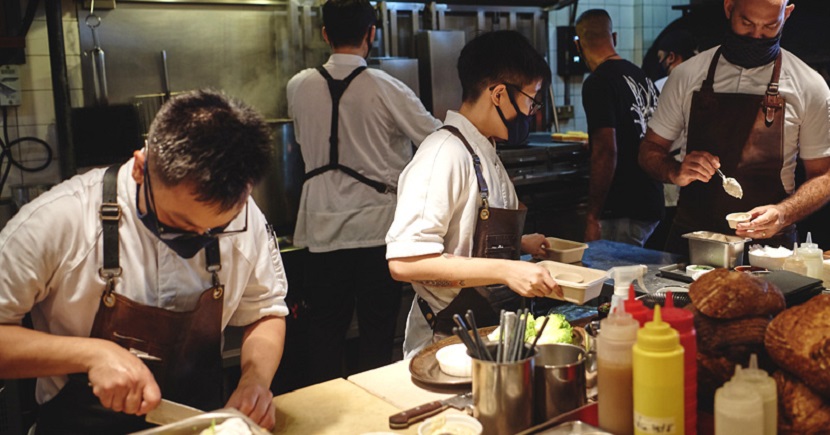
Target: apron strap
772,100
110,214
484,213
336,89
213,260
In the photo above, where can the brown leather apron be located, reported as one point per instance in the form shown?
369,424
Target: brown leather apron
746,132
498,234
182,349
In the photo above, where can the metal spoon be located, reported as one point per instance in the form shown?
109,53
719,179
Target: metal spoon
731,186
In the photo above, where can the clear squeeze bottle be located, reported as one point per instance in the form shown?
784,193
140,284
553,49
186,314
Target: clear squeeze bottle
658,379
683,321
617,335
764,384
739,409
795,263
813,257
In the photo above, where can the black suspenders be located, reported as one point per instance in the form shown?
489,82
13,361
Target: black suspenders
110,214
336,89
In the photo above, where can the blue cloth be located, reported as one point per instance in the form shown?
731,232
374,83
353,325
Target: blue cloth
626,230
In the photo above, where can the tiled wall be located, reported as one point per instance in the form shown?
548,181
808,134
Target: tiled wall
637,23
36,114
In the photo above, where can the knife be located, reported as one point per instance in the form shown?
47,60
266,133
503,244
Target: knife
170,412
403,420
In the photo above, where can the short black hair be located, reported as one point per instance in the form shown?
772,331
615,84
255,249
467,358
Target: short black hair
348,21
218,145
594,25
503,56
680,42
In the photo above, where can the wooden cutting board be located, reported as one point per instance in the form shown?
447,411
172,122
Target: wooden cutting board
335,407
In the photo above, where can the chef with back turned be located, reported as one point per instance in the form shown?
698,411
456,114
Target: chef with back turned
750,109
132,273
355,127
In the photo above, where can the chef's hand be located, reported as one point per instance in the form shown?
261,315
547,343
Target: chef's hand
531,280
255,401
696,166
593,230
766,221
121,380
535,244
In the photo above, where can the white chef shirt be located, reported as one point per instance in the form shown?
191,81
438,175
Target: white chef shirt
438,202
379,116
806,116
52,248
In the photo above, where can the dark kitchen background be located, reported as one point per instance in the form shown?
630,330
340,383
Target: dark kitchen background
250,49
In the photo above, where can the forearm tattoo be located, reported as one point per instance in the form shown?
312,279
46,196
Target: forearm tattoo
441,283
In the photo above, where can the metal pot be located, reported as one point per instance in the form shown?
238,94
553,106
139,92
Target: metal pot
278,194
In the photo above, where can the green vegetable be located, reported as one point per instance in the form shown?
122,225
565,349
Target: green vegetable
558,330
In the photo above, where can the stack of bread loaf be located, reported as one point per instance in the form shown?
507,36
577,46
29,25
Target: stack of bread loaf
732,311
798,340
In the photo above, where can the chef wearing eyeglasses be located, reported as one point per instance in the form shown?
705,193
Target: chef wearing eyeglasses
132,273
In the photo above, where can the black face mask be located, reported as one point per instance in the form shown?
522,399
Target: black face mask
748,52
185,245
519,128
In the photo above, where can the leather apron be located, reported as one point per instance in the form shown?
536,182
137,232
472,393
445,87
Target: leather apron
181,349
498,234
746,132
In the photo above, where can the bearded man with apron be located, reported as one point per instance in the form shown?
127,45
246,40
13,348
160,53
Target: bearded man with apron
130,283
457,233
757,109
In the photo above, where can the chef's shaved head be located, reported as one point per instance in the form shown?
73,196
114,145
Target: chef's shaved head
757,18
594,28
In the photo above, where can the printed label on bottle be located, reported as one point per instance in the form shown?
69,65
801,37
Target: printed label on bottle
654,425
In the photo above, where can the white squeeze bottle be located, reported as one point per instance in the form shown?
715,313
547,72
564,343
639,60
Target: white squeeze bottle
617,335
812,256
738,409
764,385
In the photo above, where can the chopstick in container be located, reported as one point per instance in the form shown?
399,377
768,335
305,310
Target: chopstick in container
472,349
471,319
501,337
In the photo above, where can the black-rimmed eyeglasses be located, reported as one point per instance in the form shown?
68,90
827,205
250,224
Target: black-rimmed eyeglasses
535,104
169,233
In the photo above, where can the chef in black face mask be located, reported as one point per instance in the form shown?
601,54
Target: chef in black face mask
751,109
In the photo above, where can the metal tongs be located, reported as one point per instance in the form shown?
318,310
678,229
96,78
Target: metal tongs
731,186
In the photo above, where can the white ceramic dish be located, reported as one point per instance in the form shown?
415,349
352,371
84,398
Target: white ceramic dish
768,258
450,424
587,288
454,361
735,218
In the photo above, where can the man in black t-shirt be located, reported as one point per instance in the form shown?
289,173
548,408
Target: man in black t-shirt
624,204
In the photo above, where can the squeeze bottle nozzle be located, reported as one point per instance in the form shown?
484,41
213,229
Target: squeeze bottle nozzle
623,276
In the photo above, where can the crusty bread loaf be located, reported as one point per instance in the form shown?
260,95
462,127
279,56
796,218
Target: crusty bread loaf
724,294
720,337
800,410
798,340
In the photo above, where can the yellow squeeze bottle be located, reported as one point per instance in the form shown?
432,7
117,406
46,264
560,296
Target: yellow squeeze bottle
658,379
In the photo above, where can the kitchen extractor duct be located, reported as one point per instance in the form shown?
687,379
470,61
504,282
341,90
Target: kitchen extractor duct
438,52
401,68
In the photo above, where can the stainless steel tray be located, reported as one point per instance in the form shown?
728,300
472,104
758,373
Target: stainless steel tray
195,425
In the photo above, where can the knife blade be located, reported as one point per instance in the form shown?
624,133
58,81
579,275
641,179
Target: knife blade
403,420
170,412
